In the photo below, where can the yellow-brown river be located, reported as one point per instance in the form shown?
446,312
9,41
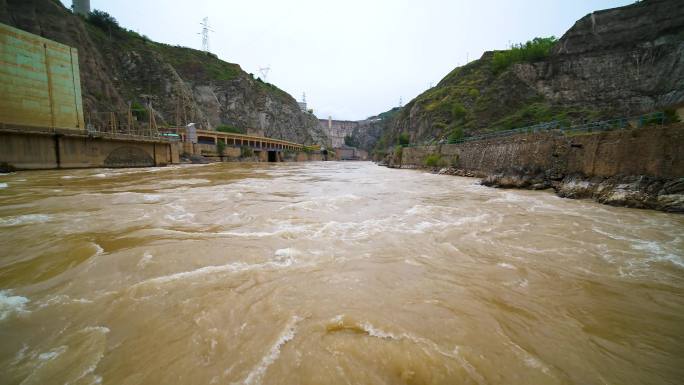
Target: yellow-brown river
329,273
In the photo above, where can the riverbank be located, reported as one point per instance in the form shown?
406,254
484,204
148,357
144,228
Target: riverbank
640,168
642,191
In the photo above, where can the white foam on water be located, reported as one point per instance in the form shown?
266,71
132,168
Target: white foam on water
47,356
99,329
528,359
256,234
26,219
288,252
152,198
145,260
11,304
655,252
506,265
279,262
257,373
180,214
189,181
3,185
671,258
474,219
411,262
455,354
375,332
418,210
62,299
283,228
68,177
100,175
21,354
98,249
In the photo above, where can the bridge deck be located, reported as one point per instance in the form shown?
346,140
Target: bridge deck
241,140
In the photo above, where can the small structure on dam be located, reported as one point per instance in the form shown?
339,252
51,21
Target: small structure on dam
40,82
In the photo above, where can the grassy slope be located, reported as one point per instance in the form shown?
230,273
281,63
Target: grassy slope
474,99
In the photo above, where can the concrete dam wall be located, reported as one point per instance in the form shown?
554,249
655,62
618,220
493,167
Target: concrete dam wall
40,81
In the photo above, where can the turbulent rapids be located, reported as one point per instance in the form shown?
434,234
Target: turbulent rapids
329,273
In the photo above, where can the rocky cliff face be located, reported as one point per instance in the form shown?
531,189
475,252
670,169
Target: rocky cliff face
119,66
612,63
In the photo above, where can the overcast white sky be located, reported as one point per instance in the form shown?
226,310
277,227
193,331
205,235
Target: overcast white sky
353,58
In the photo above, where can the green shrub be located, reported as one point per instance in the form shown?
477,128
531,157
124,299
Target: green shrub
220,147
458,111
351,141
398,151
433,160
246,152
532,51
139,111
474,92
404,139
439,126
230,129
671,116
103,20
455,135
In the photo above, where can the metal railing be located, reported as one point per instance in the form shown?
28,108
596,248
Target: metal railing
655,118
123,133
124,125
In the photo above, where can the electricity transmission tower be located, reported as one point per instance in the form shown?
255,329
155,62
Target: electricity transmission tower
264,72
401,102
205,34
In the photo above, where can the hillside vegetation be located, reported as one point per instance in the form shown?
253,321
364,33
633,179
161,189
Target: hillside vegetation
612,63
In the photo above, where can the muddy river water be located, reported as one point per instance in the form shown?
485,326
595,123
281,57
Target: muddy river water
329,273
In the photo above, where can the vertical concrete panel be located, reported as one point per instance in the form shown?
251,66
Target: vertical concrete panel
40,81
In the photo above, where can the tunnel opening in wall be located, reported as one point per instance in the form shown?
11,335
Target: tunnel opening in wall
272,156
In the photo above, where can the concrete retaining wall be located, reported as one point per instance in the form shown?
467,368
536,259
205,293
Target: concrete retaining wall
653,151
23,150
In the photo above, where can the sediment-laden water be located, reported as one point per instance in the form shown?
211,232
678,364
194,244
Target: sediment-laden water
329,273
